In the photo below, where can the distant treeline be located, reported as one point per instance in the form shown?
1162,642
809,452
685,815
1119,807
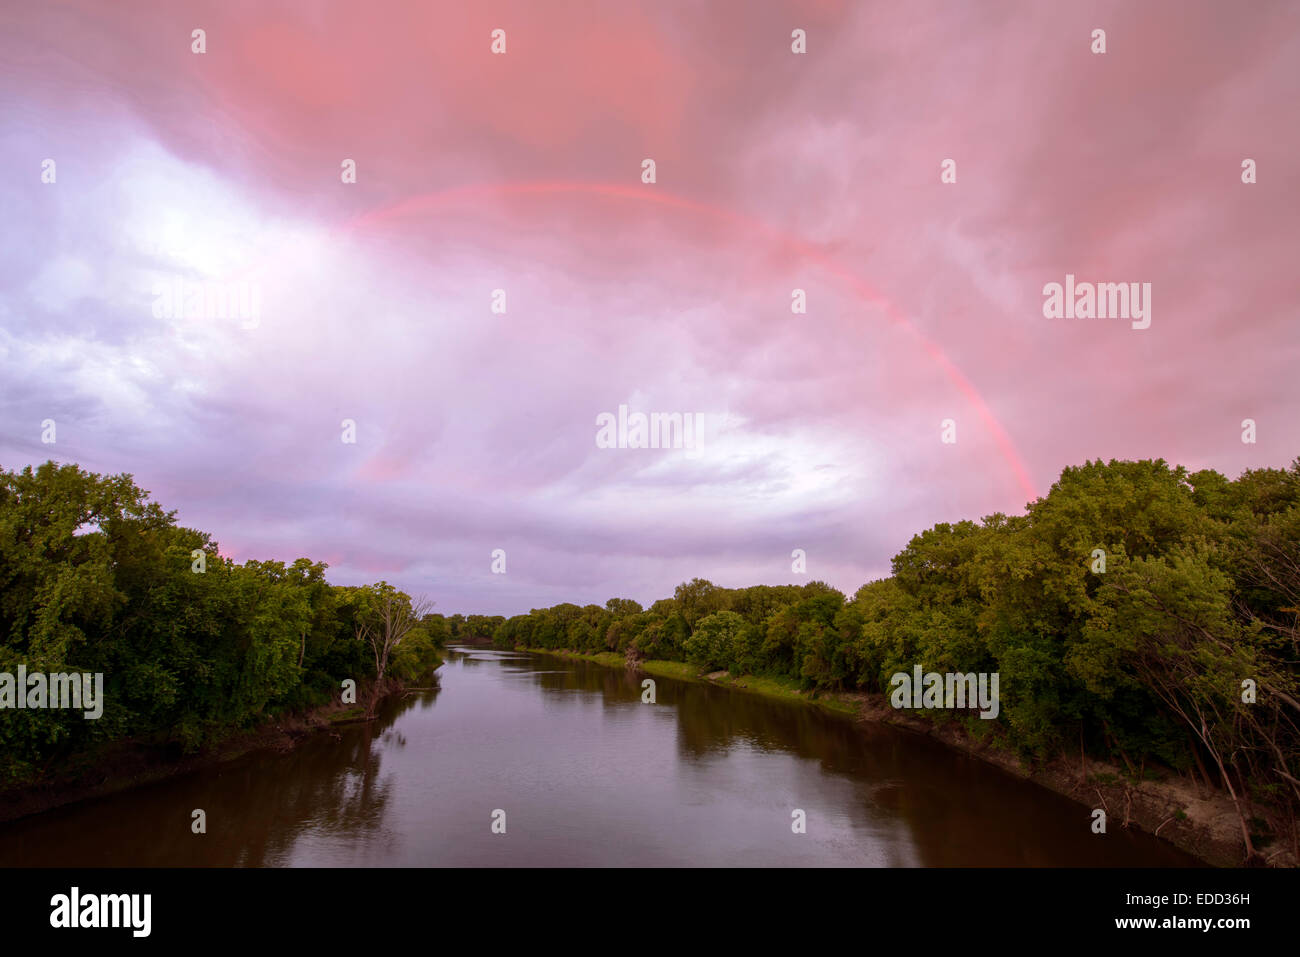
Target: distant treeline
1137,611
96,579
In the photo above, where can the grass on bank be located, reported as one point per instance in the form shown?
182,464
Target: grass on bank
787,689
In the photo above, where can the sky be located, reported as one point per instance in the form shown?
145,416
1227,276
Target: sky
474,412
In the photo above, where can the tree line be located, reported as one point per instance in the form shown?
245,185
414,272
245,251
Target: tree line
1137,611
95,578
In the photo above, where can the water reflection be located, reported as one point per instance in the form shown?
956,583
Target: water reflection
257,807
587,775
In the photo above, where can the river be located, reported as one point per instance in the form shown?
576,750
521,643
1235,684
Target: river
565,755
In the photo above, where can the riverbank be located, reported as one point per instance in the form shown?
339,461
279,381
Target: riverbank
128,764
1181,812
785,688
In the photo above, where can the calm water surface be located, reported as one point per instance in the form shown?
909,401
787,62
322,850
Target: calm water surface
587,775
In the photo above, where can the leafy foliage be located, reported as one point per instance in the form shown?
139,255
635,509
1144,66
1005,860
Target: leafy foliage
95,578
1142,662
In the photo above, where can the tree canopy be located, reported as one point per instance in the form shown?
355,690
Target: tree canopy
1132,608
94,578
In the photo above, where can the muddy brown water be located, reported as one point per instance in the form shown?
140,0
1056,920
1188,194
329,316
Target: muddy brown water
587,774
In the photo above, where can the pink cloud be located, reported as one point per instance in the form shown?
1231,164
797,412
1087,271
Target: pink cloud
521,172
